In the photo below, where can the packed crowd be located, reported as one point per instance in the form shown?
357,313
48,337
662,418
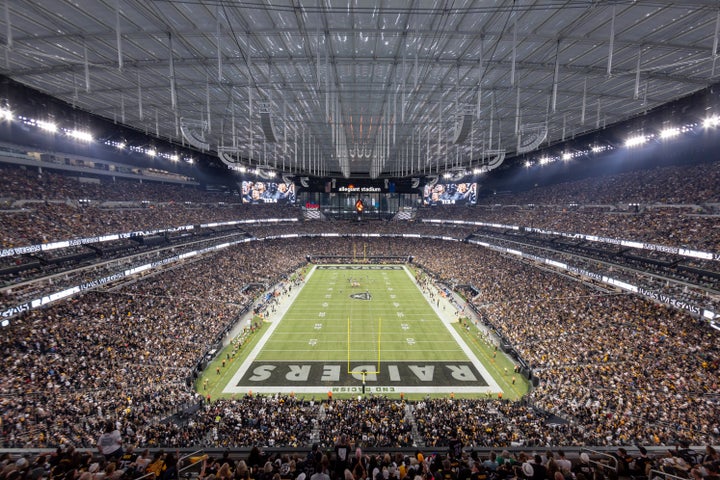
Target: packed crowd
677,184
621,369
132,353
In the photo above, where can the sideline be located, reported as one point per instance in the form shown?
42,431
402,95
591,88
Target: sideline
447,319
274,321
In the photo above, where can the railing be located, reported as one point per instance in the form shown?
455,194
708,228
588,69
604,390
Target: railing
196,463
664,475
612,461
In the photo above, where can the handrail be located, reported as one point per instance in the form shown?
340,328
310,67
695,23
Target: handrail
664,474
612,458
147,475
190,465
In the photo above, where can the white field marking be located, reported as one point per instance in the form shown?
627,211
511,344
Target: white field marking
381,389
231,387
492,384
423,360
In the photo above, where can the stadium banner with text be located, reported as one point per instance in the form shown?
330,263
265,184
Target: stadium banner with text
9,252
659,297
685,252
665,299
393,377
93,284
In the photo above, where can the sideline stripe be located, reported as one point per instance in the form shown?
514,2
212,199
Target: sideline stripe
492,384
231,386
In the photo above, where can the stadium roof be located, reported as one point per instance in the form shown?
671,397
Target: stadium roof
360,88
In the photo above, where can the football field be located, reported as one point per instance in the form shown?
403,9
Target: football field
352,329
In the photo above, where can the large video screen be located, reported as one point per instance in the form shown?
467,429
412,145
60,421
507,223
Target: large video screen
450,194
268,192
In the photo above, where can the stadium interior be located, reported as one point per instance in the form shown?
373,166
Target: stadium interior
544,173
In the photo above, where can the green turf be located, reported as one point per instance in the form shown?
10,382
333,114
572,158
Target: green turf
398,324
325,323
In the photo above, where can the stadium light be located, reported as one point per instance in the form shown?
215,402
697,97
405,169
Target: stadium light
80,135
151,152
669,132
635,141
528,164
566,156
6,114
174,158
711,122
47,126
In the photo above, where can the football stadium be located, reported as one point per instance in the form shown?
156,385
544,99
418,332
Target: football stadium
357,240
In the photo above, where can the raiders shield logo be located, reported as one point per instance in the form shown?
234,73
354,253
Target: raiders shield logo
361,296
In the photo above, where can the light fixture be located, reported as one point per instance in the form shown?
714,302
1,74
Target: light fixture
47,126
174,158
566,156
635,141
151,152
669,132
711,122
6,114
80,135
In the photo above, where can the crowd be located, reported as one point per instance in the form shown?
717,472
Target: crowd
623,370
618,369
676,184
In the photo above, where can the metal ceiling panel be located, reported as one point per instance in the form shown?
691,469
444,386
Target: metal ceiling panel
358,82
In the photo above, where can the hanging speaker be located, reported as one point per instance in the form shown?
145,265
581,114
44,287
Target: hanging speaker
192,136
463,130
266,123
531,136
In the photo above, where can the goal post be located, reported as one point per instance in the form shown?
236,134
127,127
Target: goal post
350,371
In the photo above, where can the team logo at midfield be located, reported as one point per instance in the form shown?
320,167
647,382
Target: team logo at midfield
361,296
